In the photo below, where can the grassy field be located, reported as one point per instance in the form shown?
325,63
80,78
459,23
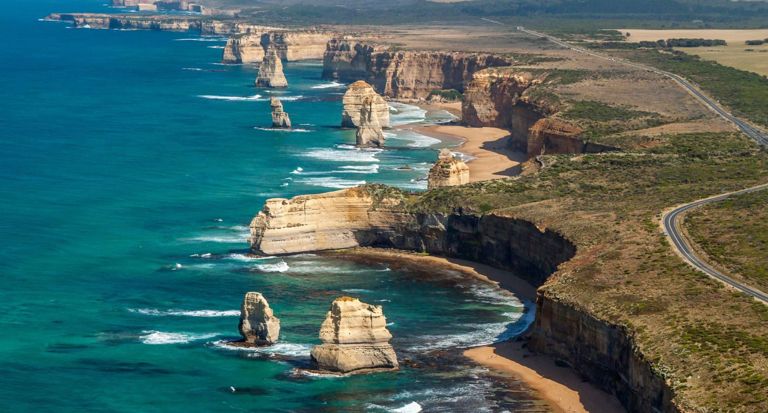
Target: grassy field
734,234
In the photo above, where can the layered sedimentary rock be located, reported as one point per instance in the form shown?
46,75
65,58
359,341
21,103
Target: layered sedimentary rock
369,131
403,74
502,98
280,118
162,22
355,338
271,71
600,351
448,171
353,100
258,324
290,45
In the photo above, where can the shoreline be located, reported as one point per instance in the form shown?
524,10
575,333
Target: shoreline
559,387
486,147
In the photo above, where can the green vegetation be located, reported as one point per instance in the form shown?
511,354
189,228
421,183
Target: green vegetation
451,95
602,112
745,93
755,42
708,342
734,233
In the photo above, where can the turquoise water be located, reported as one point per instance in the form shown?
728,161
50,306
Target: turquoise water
130,166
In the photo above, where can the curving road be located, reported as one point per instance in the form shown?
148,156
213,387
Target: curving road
672,220
760,136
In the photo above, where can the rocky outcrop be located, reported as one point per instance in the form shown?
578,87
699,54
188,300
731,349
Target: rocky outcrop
448,171
403,74
162,22
271,71
290,45
505,98
280,118
353,100
355,339
369,131
369,216
258,324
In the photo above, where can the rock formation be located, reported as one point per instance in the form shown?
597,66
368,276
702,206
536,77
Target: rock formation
353,104
271,71
280,118
291,45
355,338
448,171
258,324
403,74
503,98
369,131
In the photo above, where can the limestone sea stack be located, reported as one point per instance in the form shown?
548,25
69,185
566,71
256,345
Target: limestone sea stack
271,71
353,104
448,171
280,118
355,339
369,131
258,324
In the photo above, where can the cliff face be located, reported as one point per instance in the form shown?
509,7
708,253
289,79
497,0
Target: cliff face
405,74
290,45
157,22
502,98
601,351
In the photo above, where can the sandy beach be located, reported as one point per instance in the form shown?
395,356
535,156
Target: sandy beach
487,147
560,387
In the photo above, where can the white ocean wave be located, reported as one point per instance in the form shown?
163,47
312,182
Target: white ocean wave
413,139
290,98
280,266
411,407
246,257
160,337
360,169
330,182
401,113
216,47
344,153
202,39
328,85
278,349
356,290
234,235
186,313
294,130
193,69
254,98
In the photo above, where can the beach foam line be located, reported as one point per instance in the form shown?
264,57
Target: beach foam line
186,313
402,114
154,337
414,139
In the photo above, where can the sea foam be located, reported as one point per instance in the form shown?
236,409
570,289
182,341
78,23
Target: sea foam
185,313
160,337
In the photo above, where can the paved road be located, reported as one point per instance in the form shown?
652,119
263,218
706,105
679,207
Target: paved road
672,220
760,136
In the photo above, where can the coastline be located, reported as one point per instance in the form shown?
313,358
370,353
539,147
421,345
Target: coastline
486,148
559,387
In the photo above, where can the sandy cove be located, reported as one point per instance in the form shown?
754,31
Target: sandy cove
491,158
560,387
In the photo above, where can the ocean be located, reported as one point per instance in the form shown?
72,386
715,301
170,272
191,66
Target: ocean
131,163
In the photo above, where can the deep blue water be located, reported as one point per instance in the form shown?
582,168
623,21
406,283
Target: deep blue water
130,165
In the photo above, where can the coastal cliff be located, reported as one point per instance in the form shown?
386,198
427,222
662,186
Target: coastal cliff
160,22
290,45
507,98
377,216
403,74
